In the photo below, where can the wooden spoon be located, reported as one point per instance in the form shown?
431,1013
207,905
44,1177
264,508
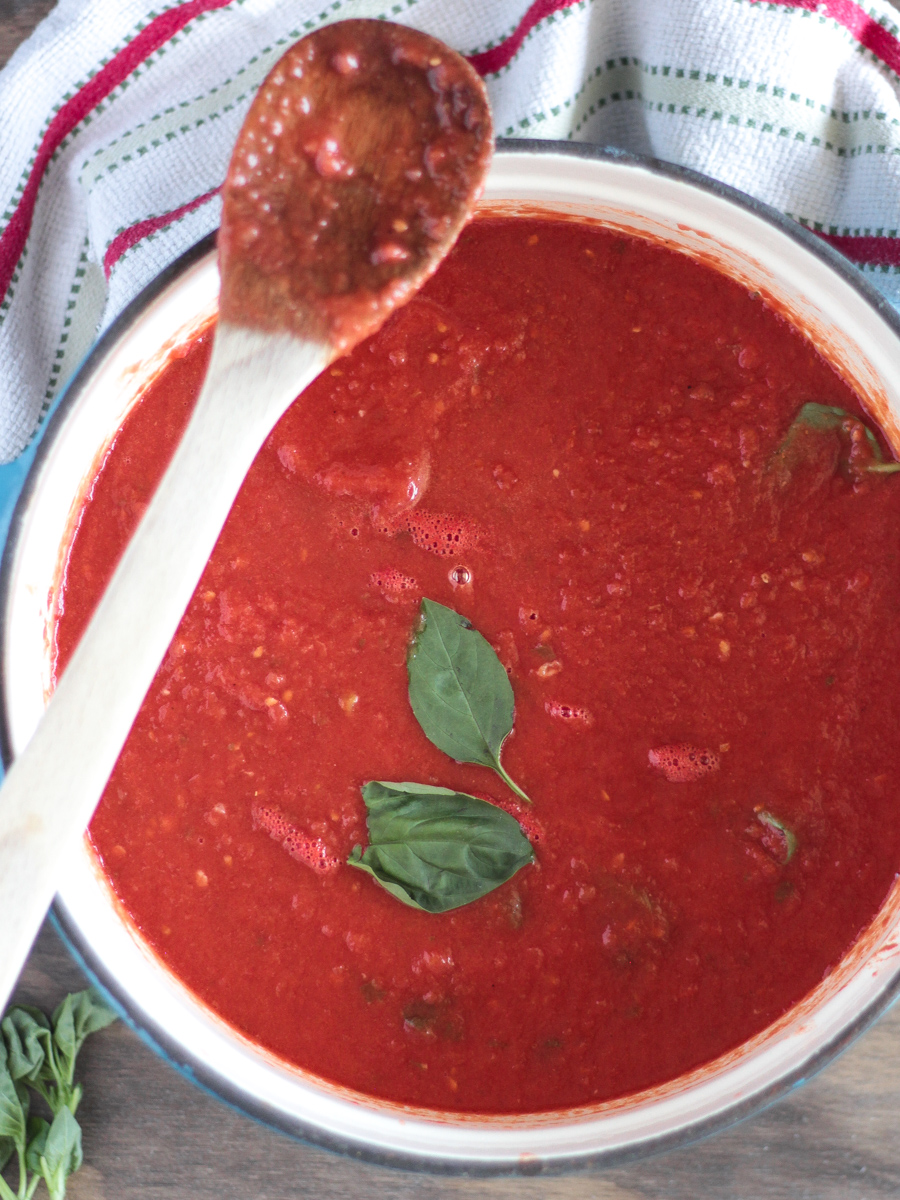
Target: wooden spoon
359,162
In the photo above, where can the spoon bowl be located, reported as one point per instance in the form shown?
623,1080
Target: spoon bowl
351,178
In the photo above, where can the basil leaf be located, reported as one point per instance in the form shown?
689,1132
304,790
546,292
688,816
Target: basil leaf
7,1150
64,1038
459,690
38,1129
436,849
12,1111
80,1014
62,1154
90,1014
819,419
25,1037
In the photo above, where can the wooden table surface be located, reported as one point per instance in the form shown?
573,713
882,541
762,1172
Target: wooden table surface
150,1135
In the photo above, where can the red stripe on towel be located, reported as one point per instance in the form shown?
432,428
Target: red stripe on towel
495,59
873,251
160,30
135,233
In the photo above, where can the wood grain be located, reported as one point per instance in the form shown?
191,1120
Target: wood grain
150,1135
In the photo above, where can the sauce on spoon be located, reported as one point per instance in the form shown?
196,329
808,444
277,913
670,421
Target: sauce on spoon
352,174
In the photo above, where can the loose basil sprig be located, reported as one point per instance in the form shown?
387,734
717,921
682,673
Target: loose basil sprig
459,690
38,1055
436,849
826,419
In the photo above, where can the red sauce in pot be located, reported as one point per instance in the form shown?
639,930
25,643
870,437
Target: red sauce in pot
568,438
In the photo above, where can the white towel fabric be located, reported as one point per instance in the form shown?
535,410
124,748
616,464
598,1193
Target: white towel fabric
118,119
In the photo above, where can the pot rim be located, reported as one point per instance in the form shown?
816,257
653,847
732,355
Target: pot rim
155,1035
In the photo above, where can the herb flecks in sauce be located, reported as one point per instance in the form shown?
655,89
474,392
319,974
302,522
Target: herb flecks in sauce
460,691
436,849
778,839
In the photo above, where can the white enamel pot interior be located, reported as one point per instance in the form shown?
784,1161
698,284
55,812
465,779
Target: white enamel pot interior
851,326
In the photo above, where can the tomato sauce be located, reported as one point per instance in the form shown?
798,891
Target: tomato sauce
568,437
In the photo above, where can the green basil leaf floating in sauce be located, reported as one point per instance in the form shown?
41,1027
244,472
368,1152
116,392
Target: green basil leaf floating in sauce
787,837
855,449
436,849
459,690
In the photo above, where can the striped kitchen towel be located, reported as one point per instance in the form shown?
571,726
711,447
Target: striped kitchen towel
118,118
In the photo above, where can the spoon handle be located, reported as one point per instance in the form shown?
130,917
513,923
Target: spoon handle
52,788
